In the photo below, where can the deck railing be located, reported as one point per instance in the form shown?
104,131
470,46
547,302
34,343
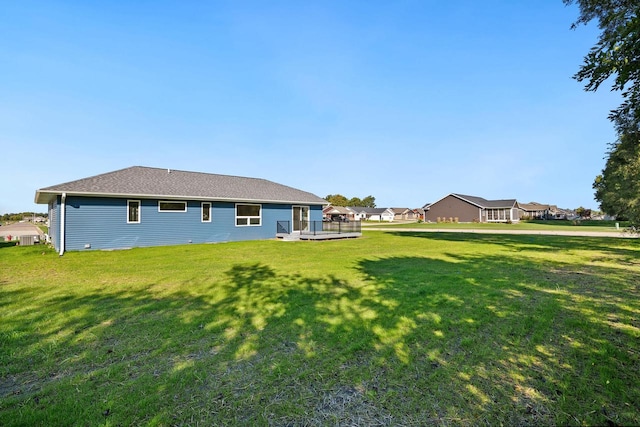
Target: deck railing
319,227
283,227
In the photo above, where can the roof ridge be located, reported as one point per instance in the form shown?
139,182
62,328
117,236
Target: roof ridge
199,173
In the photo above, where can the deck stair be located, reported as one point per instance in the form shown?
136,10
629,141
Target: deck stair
289,237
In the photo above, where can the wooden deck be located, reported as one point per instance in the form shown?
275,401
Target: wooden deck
318,236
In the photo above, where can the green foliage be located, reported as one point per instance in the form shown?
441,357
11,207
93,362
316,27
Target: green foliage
369,202
618,188
355,201
337,200
615,56
12,217
583,212
340,200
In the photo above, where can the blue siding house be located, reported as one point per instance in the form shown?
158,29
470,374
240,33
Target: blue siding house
142,206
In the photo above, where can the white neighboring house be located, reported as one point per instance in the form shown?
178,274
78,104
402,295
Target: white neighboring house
372,214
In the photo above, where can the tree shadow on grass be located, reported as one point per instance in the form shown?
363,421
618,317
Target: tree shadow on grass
221,354
523,342
627,249
414,340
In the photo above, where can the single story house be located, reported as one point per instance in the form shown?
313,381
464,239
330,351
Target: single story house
534,210
404,214
372,214
338,213
570,213
463,208
142,206
419,213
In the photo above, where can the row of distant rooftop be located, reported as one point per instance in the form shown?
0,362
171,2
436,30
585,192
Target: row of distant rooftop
464,208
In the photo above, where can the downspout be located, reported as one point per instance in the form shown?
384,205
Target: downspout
63,208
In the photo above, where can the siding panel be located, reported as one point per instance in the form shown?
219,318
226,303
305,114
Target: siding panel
101,223
452,207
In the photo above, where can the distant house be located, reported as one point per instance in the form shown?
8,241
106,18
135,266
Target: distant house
570,213
534,210
338,213
404,214
419,213
142,206
463,208
372,214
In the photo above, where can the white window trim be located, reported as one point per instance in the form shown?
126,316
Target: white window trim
248,224
139,211
172,201
498,212
307,219
202,212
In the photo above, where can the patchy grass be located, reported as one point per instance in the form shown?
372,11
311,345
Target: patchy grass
389,329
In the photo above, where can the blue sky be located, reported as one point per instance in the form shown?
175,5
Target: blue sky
407,101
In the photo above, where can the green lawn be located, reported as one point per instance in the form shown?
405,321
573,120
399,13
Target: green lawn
389,329
555,225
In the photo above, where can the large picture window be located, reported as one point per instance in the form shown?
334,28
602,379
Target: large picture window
498,215
133,211
171,206
206,212
248,215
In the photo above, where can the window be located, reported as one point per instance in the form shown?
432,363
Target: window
498,215
133,211
172,206
248,215
206,212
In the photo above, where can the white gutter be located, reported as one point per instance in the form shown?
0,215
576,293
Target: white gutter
63,208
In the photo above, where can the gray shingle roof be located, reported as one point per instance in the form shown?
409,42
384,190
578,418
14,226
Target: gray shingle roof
339,210
370,211
533,206
140,181
484,203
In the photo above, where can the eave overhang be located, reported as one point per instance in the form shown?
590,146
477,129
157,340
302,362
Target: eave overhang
45,196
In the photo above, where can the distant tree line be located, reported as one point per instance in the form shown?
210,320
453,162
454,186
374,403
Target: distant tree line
340,200
21,216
